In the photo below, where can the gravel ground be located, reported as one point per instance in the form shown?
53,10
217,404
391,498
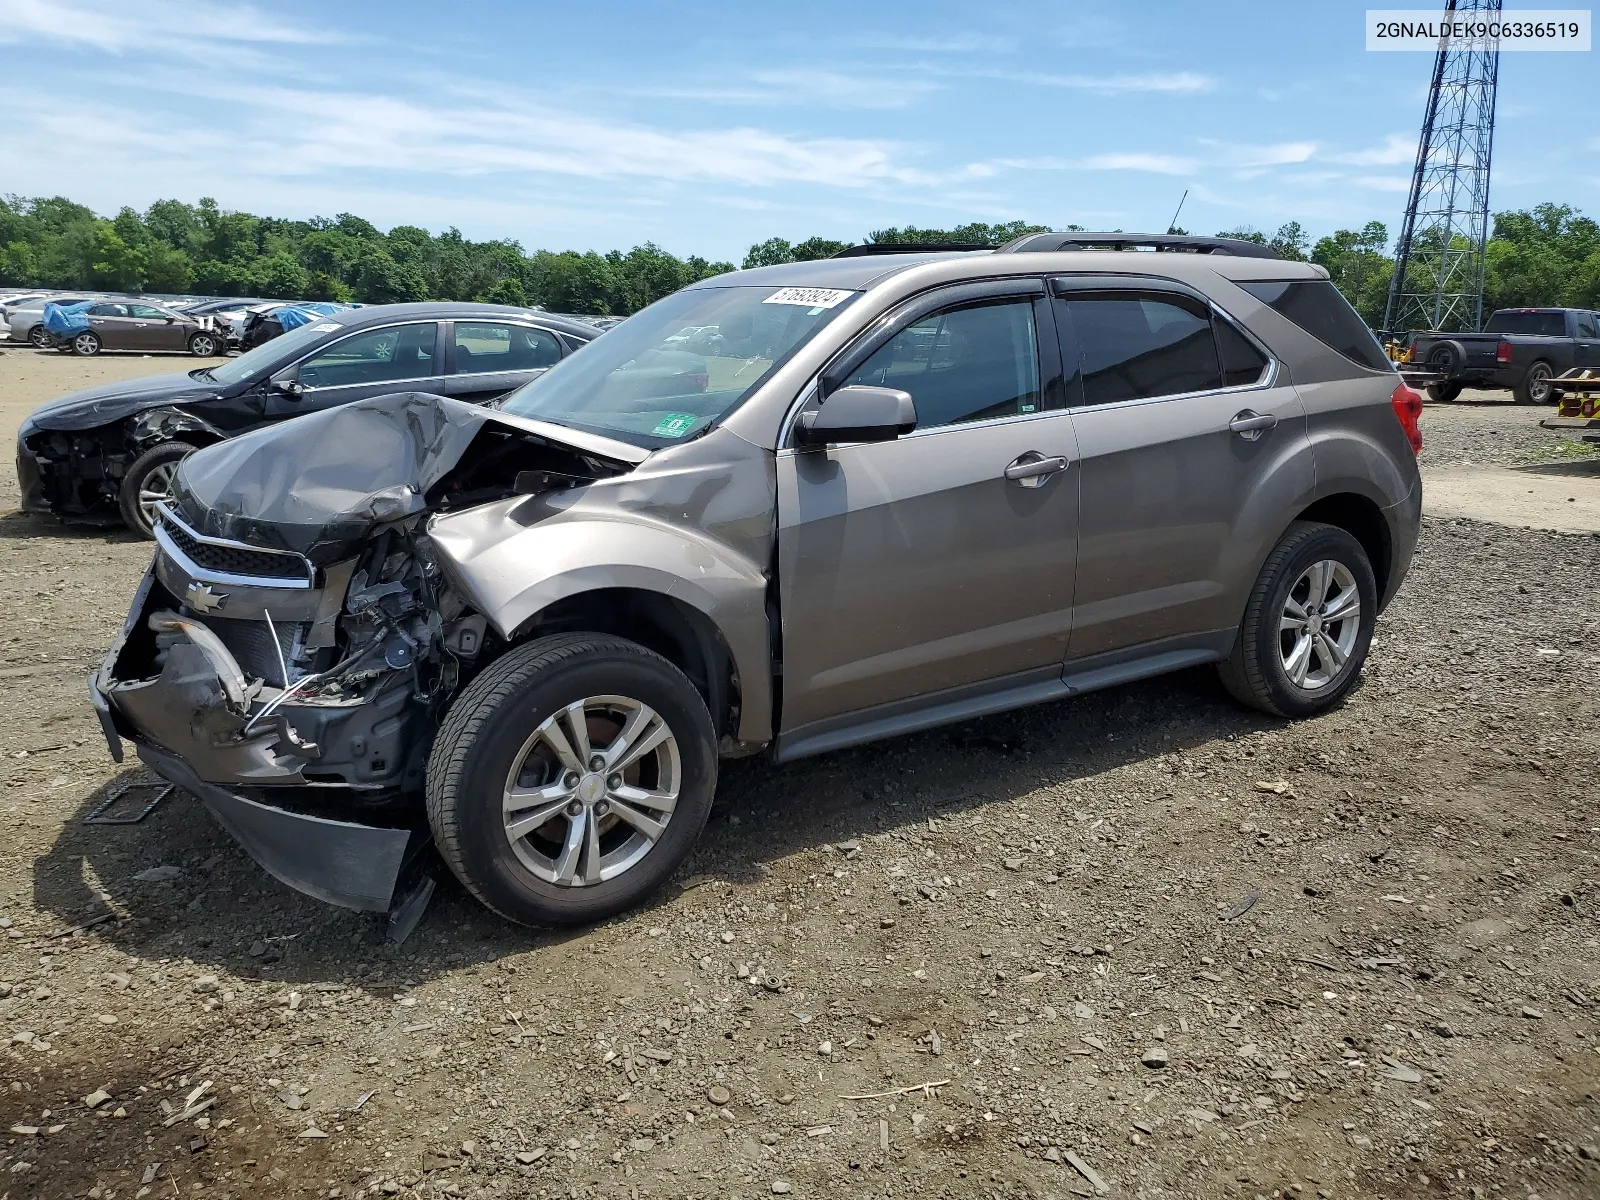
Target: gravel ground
1140,944
1487,429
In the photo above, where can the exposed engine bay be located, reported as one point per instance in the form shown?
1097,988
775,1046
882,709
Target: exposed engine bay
296,640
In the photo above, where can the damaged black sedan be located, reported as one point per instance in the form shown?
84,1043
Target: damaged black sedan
108,454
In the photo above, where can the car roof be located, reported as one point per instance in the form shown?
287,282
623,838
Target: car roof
863,273
439,310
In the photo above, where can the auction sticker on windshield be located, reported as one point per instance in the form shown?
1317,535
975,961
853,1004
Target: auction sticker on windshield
808,297
675,425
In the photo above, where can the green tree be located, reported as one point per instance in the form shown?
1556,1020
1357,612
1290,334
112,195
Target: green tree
167,269
770,253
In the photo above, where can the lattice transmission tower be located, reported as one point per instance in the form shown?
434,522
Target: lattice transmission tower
1438,274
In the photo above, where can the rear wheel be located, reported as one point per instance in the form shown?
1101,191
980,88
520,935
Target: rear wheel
39,338
203,345
148,482
86,344
571,778
1307,625
1535,386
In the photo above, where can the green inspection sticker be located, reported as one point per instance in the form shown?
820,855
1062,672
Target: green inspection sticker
675,425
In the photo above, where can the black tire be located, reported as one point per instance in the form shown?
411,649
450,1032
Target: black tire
1255,673
1534,387
1443,392
205,345
156,461
85,344
39,338
489,728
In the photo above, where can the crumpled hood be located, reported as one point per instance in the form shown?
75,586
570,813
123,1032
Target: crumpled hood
317,485
110,402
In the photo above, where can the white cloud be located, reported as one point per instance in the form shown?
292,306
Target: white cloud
182,26
806,87
959,43
1160,164
1275,154
1396,148
1383,183
1167,82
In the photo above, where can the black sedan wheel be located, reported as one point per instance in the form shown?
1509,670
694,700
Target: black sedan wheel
149,482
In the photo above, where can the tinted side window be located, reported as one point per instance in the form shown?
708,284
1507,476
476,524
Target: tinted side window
398,352
1317,307
1242,363
492,346
108,310
1586,325
146,312
962,364
1136,347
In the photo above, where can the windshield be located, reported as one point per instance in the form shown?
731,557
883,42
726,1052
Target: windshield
668,372
1532,324
269,355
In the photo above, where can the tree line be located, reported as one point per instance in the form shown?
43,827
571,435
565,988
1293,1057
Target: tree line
1547,255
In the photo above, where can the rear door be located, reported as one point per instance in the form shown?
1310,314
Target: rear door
368,362
111,323
486,359
1586,353
918,565
1181,419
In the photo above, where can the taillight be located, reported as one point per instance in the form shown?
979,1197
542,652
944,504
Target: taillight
1407,404
1502,353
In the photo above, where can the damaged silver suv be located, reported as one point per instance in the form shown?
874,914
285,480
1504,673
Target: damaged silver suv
784,511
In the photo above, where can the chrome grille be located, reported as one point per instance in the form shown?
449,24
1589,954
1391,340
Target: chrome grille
227,561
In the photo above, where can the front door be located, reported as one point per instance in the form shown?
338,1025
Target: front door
942,559
1587,351
1184,426
157,329
372,362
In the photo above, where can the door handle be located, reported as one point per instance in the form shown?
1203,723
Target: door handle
1034,469
1250,425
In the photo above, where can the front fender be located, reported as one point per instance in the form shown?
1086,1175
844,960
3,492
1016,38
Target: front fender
164,424
510,564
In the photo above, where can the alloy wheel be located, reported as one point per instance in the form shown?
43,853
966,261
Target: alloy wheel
39,337
86,344
1319,625
154,489
1539,383
591,790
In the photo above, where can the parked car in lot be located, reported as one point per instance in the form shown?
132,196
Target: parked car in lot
108,453
1522,349
25,322
885,492
133,325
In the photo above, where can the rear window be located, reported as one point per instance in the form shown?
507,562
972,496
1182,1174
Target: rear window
1531,324
1317,307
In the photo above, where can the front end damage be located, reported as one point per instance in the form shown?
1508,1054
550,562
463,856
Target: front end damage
291,652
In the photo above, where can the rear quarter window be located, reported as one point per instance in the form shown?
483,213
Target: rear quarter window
1317,307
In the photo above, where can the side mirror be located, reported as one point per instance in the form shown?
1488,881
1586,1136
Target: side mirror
289,389
858,414
170,320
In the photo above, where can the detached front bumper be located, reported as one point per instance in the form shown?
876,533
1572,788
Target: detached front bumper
306,834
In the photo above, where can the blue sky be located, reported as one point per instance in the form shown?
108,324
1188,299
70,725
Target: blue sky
706,127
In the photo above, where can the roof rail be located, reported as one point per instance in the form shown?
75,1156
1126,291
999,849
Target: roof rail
1178,243
871,248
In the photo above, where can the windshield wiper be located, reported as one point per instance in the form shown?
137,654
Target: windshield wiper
202,373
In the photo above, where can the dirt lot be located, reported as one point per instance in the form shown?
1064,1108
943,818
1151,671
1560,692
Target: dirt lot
1144,943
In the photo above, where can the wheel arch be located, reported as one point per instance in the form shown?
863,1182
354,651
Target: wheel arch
167,424
682,634
1362,519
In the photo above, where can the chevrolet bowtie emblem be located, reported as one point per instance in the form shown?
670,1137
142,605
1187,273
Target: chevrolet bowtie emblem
202,599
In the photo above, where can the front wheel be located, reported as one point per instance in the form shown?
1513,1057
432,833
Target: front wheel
203,345
571,778
1307,625
1535,386
147,483
86,345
